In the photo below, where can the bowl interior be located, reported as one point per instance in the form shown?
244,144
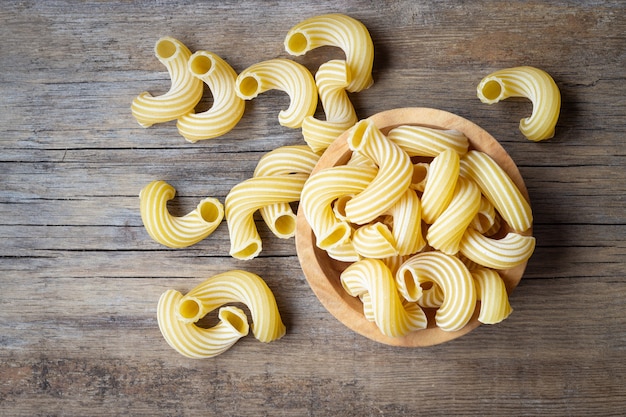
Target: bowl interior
322,272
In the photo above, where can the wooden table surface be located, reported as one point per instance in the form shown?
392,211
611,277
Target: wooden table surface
80,277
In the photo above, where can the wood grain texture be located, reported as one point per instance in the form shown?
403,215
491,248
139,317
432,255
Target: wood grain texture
80,277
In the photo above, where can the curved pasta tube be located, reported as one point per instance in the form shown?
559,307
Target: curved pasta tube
344,252
227,108
456,283
513,249
498,188
331,78
177,232
491,292
440,184
446,232
184,93
284,75
395,172
428,141
420,176
374,241
318,193
341,31
529,82
407,224
245,198
195,342
235,286
486,217
390,315
296,159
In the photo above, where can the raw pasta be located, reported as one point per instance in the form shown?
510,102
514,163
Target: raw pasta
245,198
340,31
455,280
492,294
427,141
387,308
395,172
177,232
498,188
331,78
440,184
512,250
284,75
374,241
227,108
532,83
184,93
407,224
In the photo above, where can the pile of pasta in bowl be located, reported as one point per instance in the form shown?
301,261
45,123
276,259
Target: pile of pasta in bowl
413,225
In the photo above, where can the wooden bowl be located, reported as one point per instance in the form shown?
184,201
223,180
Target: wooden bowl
322,272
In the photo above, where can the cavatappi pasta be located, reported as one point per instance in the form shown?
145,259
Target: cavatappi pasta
172,231
529,82
245,198
340,31
177,315
184,93
227,108
331,79
387,308
284,75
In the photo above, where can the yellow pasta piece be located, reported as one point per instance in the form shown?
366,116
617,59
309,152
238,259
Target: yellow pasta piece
331,78
177,232
420,176
340,31
284,75
407,223
184,93
532,83
395,172
318,193
390,315
486,217
491,291
227,108
296,159
374,241
512,250
498,188
427,141
455,280
439,188
344,252
446,232
196,342
245,198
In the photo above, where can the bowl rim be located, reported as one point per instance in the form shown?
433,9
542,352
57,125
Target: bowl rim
348,309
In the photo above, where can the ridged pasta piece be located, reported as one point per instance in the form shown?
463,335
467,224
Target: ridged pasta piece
184,93
331,78
512,250
227,108
455,280
407,223
344,252
390,314
486,217
498,188
420,176
491,292
172,231
532,83
428,141
235,286
296,159
446,232
318,193
196,342
284,75
395,171
439,189
374,241
245,198
340,31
